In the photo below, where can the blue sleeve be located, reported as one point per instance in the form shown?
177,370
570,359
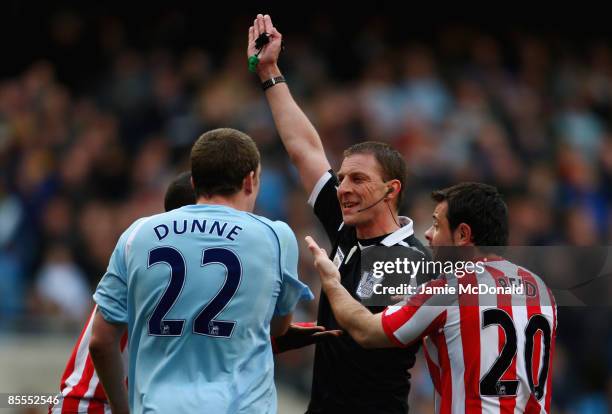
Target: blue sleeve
292,290
111,293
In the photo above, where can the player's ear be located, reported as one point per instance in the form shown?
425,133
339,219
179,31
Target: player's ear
257,174
463,235
249,182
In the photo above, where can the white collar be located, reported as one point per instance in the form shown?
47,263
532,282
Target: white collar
400,234
406,230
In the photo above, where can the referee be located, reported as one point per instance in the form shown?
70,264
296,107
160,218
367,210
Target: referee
358,208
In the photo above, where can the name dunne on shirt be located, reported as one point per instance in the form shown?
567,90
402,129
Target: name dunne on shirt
214,227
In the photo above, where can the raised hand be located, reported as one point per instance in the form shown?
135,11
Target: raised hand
327,269
268,56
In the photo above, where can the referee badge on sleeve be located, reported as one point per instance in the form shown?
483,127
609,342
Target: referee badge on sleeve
366,285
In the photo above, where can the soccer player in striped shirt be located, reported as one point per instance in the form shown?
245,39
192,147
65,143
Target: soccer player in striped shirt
484,356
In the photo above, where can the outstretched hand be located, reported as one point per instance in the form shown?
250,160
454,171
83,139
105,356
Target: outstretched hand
302,334
326,268
268,56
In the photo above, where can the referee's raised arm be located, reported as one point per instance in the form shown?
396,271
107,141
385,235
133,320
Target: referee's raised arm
299,136
358,208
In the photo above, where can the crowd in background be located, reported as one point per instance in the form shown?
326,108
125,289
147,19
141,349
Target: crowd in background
79,161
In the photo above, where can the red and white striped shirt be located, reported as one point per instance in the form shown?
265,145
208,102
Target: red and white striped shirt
486,353
80,388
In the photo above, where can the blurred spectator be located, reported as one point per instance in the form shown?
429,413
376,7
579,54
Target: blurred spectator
61,288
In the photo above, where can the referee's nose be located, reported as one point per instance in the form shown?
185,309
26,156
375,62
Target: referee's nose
343,188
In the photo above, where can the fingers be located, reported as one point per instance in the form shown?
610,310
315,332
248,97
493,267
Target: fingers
260,24
306,329
311,243
317,328
314,247
335,332
251,35
255,29
268,26
313,329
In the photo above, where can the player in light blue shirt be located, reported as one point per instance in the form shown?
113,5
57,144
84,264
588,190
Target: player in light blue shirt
201,288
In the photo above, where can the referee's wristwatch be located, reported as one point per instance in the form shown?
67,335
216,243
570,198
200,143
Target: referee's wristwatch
272,81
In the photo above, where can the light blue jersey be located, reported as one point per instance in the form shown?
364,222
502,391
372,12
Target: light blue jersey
198,287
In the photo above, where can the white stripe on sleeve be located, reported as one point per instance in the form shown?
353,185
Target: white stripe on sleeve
318,187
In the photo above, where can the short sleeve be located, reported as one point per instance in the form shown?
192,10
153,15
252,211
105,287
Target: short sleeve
111,293
324,201
422,314
292,290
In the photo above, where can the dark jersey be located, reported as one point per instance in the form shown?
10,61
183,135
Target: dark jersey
347,377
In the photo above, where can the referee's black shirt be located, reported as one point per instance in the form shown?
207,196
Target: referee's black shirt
346,377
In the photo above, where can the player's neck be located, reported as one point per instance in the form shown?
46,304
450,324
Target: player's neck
236,202
480,255
471,252
375,228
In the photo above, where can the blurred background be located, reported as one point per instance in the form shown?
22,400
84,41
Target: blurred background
99,106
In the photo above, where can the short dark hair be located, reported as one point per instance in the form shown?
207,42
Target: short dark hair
180,192
391,162
481,207
220,160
